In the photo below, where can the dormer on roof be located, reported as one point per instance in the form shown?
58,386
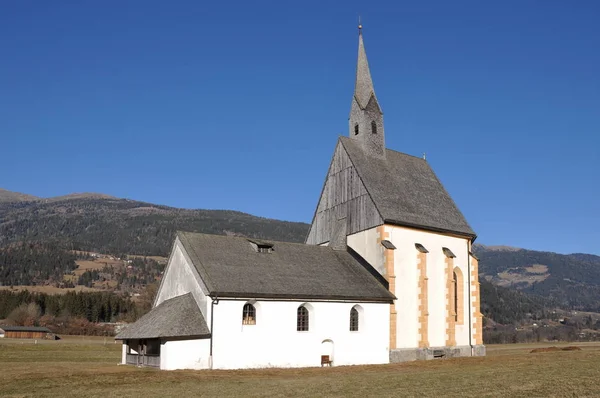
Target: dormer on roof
261,246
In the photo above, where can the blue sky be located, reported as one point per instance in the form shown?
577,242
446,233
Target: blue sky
238,105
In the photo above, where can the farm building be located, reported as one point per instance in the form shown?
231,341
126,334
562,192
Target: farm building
386,274
26,332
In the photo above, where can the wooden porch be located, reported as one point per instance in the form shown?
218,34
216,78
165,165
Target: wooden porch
152,361
143,353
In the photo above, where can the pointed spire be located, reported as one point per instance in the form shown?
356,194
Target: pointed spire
366,118
363,87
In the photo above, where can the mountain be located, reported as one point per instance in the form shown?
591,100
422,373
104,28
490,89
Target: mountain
11,197
520,281
100,223
83,195
572,281
506,306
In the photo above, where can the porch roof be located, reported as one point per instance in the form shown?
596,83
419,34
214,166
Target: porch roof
177,317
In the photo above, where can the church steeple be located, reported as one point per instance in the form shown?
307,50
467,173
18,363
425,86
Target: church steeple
366,117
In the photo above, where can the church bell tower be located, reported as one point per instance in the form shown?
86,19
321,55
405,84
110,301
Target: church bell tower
366,117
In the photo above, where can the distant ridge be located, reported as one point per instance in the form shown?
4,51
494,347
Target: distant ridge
102,223
9,197
82,195
499,248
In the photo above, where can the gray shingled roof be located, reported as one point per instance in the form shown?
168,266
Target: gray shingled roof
231,267
7,328
177,317
406,191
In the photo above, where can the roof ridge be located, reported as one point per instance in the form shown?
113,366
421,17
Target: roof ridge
250,238
383,177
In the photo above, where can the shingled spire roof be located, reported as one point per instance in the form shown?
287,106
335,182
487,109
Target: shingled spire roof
366,117
363,86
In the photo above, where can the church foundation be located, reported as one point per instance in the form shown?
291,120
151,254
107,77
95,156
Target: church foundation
419,354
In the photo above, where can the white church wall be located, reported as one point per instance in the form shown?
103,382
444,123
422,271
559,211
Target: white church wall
366,244
275,342
406,264
185,354
180,278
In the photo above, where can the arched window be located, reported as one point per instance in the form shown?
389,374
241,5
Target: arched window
354,320
373,127
249,314
302,319
356,129
459,303
455,297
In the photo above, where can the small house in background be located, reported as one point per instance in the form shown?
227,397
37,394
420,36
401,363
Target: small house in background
26,332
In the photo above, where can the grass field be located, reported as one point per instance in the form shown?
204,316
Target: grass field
77,367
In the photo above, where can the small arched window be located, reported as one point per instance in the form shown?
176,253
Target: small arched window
373,127
356,129
354,320
302,319
249,314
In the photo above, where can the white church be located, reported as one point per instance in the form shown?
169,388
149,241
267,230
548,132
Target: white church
386,274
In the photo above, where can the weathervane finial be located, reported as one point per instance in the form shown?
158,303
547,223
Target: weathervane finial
359,25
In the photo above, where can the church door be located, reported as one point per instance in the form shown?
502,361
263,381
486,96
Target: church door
326,352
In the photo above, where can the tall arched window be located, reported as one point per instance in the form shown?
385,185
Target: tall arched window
356,129
373,127
455,297
459,303
249,314
302,319
354,320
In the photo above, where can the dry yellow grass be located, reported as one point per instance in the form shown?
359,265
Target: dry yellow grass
537,269
158,259
509,277
88,369
85,265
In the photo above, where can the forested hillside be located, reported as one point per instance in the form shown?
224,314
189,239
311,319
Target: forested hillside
507,306
34,264
47,242
570,281
116,226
